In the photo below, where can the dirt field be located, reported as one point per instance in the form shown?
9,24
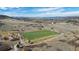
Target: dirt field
64,41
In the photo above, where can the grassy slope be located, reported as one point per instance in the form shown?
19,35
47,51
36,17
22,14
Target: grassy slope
38,34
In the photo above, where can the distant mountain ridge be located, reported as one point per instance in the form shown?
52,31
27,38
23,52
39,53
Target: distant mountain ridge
40,18
4,17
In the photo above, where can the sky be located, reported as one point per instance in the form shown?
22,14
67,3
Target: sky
39,11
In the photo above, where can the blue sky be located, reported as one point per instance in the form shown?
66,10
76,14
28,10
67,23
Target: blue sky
39,11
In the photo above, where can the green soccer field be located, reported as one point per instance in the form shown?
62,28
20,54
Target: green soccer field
38,34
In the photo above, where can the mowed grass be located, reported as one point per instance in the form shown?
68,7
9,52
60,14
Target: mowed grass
38,34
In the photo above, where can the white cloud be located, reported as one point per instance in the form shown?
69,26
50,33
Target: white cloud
7,8
74,13
44,12
51,14
4,8
47,9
